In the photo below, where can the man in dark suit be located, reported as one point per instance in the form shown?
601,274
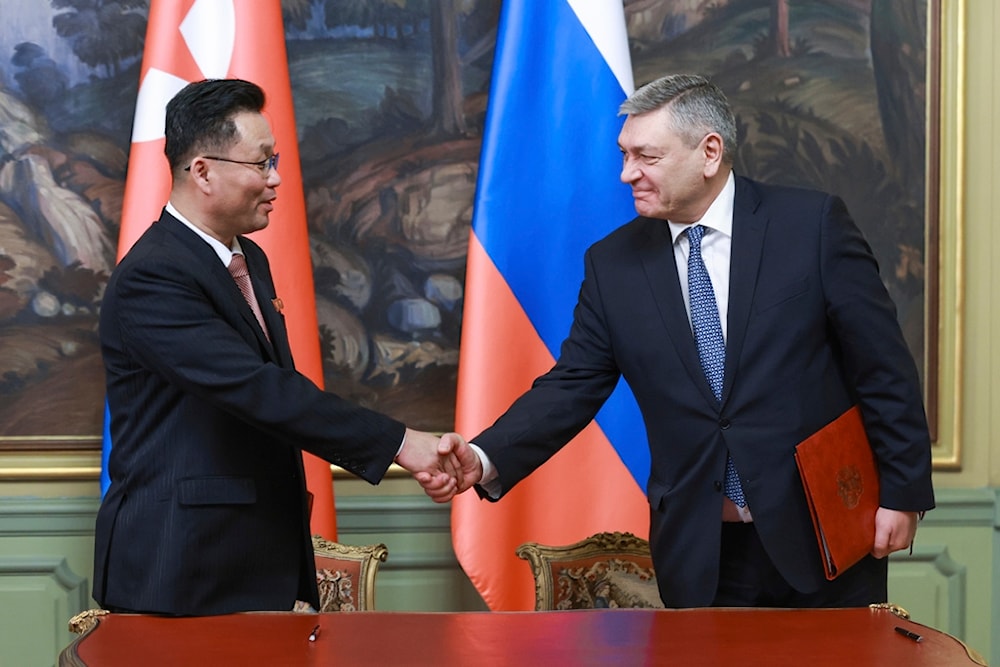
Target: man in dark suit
794,327
207,510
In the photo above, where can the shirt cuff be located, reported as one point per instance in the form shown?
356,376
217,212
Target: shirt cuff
489,482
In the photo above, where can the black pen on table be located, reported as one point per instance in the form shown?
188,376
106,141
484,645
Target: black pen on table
314,634
908,634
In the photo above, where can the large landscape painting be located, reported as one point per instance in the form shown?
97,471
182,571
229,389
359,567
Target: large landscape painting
829,93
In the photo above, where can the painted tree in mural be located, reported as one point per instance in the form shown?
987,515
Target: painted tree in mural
451,23
779,28
899,64
102,33
296,13
39,77
899,61
461,32
449,117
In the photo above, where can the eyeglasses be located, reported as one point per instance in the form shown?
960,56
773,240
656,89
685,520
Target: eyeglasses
264,166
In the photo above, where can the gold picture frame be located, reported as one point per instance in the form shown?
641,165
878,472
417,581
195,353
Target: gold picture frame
945,228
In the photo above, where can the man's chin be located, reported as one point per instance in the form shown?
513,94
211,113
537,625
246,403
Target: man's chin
260,224
644,209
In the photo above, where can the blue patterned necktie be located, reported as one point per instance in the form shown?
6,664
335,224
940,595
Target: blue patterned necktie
708,336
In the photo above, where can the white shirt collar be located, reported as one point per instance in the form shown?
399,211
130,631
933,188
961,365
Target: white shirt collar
225,254
719,215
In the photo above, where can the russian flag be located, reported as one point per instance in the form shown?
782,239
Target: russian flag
548,188
190,40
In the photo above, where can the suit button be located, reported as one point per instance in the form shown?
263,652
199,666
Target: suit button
718,485
724,424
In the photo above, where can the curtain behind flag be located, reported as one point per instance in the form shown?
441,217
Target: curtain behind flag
190,40
548,188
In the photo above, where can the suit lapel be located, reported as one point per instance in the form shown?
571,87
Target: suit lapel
749,227
657,258
218,279
263,289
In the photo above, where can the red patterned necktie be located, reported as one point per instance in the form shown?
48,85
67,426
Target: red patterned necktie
238,269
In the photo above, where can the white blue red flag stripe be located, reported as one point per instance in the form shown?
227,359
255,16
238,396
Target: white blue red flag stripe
548,188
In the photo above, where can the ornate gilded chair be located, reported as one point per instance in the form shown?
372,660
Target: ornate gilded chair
345,574
85,620
606,570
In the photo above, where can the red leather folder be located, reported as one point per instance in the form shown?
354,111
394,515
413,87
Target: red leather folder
840,480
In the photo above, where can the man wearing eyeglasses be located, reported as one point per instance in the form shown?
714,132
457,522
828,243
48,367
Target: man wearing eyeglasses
207,511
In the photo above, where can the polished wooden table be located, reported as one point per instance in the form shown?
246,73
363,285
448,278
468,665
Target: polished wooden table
834,637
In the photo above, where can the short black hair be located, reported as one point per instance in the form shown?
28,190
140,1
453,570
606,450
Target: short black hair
200,117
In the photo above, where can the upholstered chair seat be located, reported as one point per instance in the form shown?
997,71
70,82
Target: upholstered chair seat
606,570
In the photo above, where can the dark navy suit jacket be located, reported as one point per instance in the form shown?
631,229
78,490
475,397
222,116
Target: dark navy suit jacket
811,331
207,509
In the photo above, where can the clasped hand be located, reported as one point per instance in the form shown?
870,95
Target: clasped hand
444,466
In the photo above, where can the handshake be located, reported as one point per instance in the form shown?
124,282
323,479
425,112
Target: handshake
444,466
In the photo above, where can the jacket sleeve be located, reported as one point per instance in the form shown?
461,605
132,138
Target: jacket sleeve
877,362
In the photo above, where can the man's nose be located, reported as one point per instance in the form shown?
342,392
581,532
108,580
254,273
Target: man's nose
630,171
273,178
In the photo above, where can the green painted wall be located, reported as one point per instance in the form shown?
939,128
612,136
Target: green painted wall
950,582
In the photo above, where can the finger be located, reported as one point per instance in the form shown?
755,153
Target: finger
432,481
450,466
447,443
453,466
472,470
898,543
442,498
443,491
446,487
881,546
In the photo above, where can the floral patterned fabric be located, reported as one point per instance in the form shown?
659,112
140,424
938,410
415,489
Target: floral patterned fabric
609,584
336,590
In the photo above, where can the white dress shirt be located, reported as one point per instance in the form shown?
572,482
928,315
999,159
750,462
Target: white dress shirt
716,248
225,254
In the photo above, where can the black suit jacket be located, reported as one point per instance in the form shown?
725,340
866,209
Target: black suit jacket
207,511
811,330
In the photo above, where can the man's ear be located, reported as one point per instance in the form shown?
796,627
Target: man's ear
713,149
199,172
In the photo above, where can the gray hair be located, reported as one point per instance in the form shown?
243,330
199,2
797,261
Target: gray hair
697,107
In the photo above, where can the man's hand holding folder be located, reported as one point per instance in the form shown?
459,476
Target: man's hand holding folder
840,479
